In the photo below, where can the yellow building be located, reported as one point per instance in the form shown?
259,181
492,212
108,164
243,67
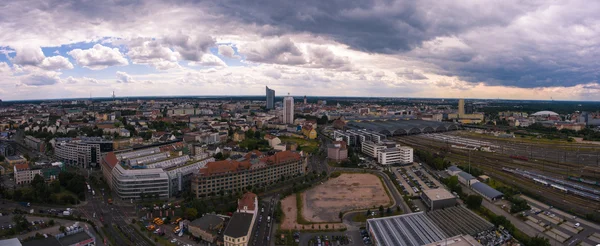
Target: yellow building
309,132
239,136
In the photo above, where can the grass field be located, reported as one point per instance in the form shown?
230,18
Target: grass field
307,145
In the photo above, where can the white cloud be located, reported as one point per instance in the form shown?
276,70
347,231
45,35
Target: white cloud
34,57
227,51
4,68
82,80
98,57
41,79
56,63
191,48
209,60
152,52
123,77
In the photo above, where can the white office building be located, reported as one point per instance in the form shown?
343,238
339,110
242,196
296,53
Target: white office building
135,183
396,155
288,110
372,149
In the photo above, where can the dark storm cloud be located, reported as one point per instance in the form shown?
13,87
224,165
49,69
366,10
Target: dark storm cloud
533,55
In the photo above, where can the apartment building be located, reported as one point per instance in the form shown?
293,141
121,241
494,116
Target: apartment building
237,232
24,175
337,151
35,143
254,170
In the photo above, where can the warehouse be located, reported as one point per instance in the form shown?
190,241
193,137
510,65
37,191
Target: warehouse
426,228
486,191
438,198
466,178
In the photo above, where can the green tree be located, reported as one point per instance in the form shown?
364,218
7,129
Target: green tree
51,222
340,215
21,223
538,241
474,201
380,209
191,213
2,158
63,229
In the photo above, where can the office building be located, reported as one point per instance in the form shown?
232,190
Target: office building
255,169
438,198
396,155
270,98
81,152
466,114
7,149
288,110
151,172
372,149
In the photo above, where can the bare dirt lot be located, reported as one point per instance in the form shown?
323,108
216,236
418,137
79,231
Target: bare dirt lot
349,191
290,222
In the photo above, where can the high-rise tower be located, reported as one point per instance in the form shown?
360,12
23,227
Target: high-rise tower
461,108
304,99
270,98
288,109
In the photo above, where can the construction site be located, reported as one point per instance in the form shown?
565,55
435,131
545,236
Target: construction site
571,170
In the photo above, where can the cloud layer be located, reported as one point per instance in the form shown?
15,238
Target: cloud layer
515,49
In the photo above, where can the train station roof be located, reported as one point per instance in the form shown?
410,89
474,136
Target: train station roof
404,127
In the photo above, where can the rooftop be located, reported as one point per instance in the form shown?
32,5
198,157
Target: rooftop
239,225
247,200
23,166
208,222
14,158
74,238
466,175
460,240
486,190
438,194
10,242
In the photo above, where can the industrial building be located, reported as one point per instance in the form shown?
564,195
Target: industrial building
438,198
466,178
404,127
422,228
486,191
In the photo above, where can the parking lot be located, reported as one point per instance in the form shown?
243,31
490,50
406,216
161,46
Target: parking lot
563,227
415,179
333,238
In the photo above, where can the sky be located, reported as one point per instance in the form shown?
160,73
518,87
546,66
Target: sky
409,48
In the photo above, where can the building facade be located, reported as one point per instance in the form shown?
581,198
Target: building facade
338,151
35,143
396,155
232,176
288,110
24,175
81,152
270,98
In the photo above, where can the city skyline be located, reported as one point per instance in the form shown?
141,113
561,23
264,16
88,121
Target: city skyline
505,50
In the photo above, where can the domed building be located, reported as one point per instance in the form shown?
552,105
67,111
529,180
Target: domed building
544,113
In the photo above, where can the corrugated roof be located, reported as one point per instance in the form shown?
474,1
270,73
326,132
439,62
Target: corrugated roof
466,175
486,190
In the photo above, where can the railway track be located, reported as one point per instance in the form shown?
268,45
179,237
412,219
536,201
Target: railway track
492,165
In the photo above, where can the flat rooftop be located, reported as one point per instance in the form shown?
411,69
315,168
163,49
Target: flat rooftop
460,240
426,228
438,194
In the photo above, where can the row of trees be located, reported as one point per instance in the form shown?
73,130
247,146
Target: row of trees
41,192
434,161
